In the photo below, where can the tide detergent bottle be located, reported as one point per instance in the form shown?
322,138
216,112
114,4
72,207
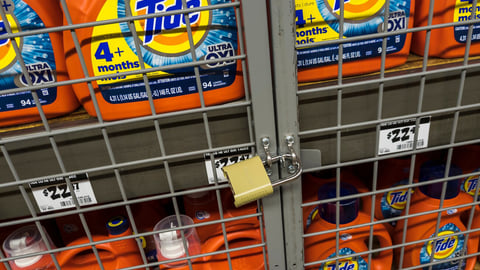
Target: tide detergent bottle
170,245
313,181
453,242
446,42
319,20
467,158
163,41
27,240
114,255
44,61
394,172
352,240
203,207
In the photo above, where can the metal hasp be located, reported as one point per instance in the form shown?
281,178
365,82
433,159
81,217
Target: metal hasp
294,167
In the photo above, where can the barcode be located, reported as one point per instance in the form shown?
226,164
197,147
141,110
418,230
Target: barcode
81,200
409,145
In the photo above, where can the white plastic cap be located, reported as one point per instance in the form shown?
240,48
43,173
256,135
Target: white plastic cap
170,246
25,240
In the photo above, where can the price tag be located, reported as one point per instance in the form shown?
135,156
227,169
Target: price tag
53,194
224,158
398,136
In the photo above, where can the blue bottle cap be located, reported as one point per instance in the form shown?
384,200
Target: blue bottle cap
431,170
348,207
117,225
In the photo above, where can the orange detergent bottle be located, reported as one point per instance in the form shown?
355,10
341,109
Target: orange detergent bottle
352,240
452,242
110,50
313,181
446,42
394,172
170,246
203,207
467,158
114,255
44,61
26,240
318,21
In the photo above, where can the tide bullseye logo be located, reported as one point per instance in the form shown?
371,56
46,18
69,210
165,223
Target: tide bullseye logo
343,264
397,199
470,184
444,247
357,10
167,35
7,53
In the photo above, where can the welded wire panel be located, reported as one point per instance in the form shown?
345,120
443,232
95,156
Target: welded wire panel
411,205
157,198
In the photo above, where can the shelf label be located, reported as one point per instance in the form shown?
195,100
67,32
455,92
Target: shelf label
397,136
53,194
224,158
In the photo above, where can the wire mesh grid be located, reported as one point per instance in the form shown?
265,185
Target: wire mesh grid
344,117
152,162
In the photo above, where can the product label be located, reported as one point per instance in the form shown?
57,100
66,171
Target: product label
53,193
464,12
36,52
393,202
318,20
224,158
353,263
448,247
470,184
163,41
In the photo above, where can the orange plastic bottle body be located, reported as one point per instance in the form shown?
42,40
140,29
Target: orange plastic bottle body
352,241
318,21
250,258
114,255
311,184
44,59
110,49
445,42
423,227
205,209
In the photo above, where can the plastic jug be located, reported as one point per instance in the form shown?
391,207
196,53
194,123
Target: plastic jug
169,248
318,21
313,181
352,241
110,50
422,227
394,172
446,42
467,158
44,60
203,207
26,240
114,255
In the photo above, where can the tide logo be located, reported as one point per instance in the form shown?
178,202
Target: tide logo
470,184
397,199
345,264
167,35
356,9
7,53
444,247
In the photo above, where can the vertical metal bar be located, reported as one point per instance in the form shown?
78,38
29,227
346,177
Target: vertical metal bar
259,70
284,59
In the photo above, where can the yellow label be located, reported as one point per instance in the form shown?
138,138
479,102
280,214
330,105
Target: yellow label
347,264
444,247
318,20
463,11
7,53
168,34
